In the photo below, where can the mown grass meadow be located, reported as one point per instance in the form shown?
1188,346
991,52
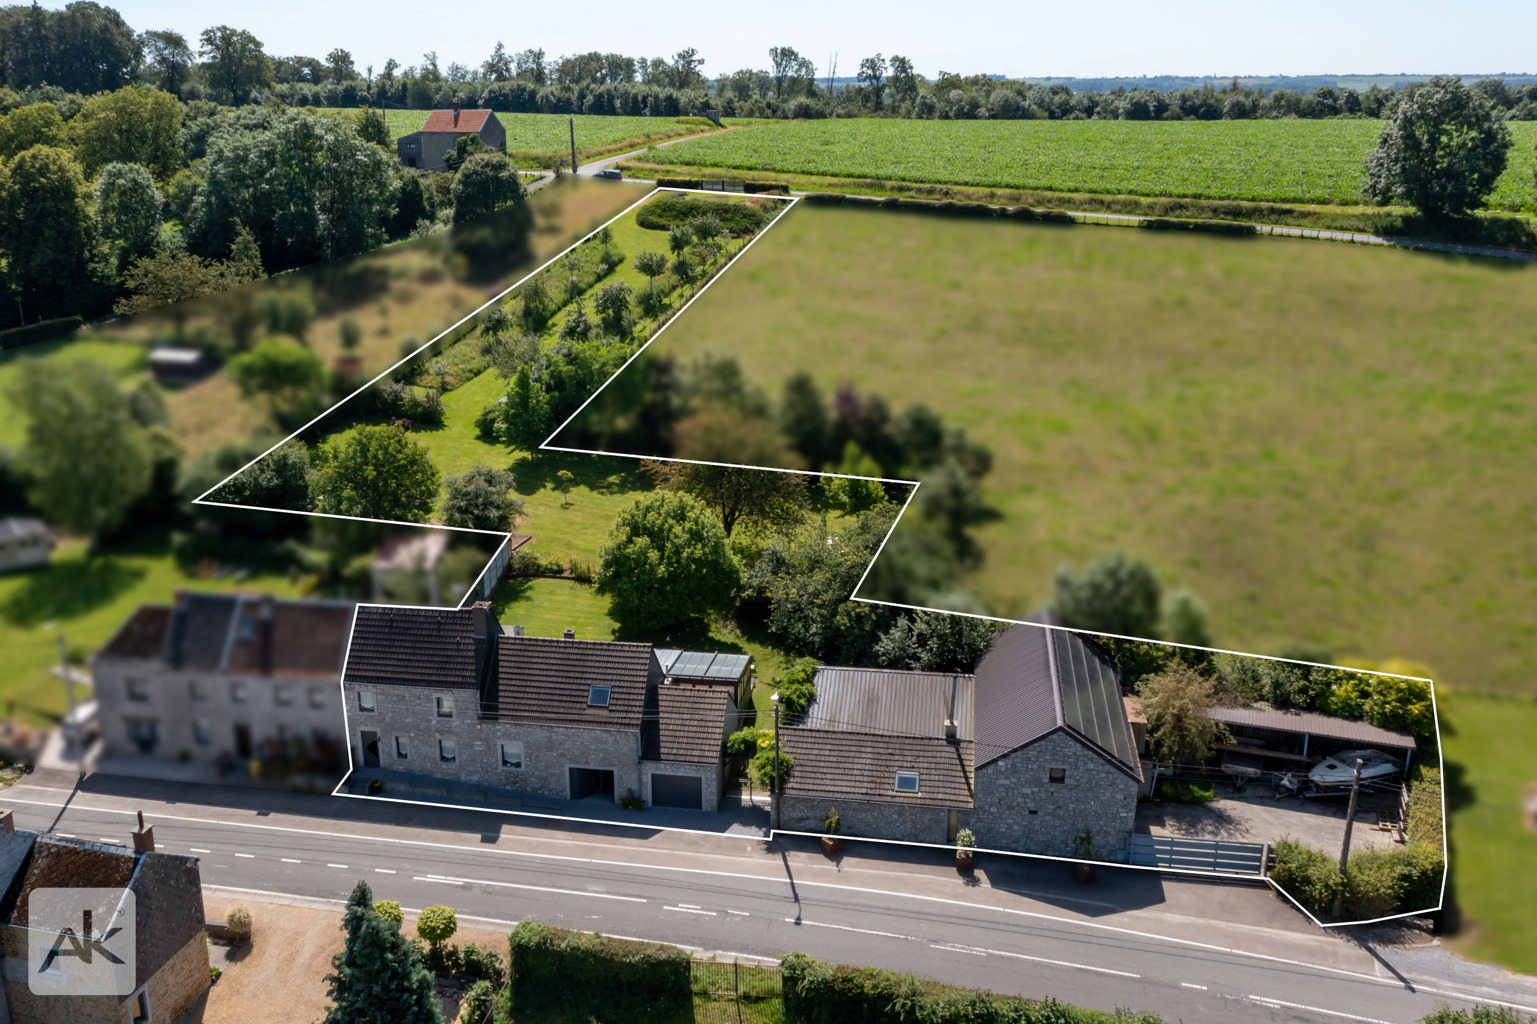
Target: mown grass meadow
1294,161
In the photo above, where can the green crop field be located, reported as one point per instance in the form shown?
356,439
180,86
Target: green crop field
1280,161
550,133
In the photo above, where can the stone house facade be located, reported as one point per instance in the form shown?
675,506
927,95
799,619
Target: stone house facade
224,678
450,694
428,148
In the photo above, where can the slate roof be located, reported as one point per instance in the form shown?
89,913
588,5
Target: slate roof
844,765
890,701
688,726
466,121
142,636
1033,681
413,647
199,628
540,679
1299,722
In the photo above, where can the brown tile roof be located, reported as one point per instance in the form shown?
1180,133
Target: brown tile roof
467,121
863,766
290,638
688,726
890,701
413,647
64,864
540,679
142,636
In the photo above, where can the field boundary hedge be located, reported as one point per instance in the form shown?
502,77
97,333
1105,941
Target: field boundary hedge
561,974
43,330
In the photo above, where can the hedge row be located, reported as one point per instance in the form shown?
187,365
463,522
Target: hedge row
750,187
1376,883
943,206
577,976
822,993
669,211
43,330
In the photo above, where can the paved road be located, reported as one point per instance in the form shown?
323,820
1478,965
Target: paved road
1133,940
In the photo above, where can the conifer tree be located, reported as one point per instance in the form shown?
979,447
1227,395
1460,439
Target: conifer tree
525,420
379,975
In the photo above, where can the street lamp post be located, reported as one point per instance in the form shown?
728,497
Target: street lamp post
774,792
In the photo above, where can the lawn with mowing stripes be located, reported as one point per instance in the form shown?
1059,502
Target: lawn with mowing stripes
1279,161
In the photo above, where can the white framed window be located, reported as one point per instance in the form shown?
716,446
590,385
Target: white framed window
202,731
597,697
402,747
907,782
239,691
138,689
317,698
448,750
445,706
1057,775
512,755
367,702
283,694
197,689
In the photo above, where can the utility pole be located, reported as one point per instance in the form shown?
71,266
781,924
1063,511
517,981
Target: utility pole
1350,820
774,793
69,696
571,123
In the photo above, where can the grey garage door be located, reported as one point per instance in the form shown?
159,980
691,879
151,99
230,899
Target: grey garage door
677,791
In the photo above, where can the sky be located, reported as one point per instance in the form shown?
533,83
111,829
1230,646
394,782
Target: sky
1104,38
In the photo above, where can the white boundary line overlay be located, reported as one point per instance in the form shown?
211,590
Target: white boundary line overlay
789,203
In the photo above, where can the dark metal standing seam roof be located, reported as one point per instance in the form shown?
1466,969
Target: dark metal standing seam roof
890,701
1314,725
546,680
413,647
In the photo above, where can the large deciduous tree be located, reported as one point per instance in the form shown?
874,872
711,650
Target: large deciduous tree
167,58
1177,703
234,64
1114,594
378,976
478,500
485,182
130,126
1443,151
666,562
378,472
309,187
89,459
46,231
36,124
127,211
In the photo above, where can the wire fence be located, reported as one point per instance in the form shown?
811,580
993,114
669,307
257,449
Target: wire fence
736,993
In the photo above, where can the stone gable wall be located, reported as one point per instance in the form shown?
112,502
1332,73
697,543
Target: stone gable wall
868,820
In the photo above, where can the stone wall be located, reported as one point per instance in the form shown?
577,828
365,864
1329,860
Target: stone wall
859,819
1018,807
177,985
28,1008
548,750
714,779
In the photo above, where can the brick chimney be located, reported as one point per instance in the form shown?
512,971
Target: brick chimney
569,634
144,837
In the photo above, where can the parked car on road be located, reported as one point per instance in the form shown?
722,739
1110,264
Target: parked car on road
610,172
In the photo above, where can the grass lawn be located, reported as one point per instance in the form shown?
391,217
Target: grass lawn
1490,759
86,600
127,360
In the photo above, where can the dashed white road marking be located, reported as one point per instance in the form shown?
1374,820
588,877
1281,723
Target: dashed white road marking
199,849
958,949
440,881
689,906
1037,959
1198,988
691,910
385,871
247,856
739,913
1276,1004
342,866
290,860
847,928
541,888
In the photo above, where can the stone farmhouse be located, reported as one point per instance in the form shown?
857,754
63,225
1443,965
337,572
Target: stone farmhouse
451,694
170,950
429,147
219,679
1028,753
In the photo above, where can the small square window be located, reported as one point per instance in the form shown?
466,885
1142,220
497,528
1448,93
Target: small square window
197,689
138,689
1058,775
366,701
445,707
448,750
317,698
597,697
907,782
239,691
402,747
512,754
202,731
283,695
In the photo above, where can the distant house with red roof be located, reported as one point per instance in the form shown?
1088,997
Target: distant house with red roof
428,148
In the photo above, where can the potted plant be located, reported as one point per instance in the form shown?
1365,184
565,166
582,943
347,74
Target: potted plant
831,843
965,849
1083,849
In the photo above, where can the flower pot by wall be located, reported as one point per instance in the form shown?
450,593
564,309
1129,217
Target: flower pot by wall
831,845
963,859
1085,873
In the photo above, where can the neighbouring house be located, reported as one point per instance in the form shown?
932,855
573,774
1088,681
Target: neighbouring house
428,148
1030,752
24,543
225,678
451,694
406,565
170,961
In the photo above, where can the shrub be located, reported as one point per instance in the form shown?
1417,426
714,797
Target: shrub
238,921
477,1003
665,212
1309,876
573,975
42,331
762,766
966,839
1185,791
797,688
744,742
476,961
402,401
389,910
437,924
1444,1014
485,423
834,824
1375,881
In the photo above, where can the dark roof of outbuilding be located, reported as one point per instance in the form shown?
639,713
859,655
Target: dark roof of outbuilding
1306,722
842,765
890,701
413,647
540,679
688,726
703,666
142,636
1034,680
